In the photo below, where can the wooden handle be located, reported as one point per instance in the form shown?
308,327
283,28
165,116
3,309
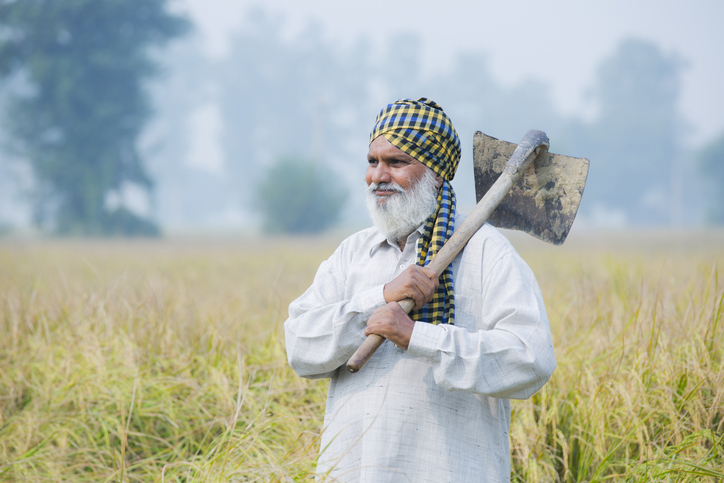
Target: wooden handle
364,352
533,144
373,342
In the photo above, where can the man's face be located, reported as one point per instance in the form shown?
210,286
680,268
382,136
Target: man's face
386,164
401,191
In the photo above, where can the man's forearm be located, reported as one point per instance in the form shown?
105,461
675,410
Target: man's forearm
321,337
495,363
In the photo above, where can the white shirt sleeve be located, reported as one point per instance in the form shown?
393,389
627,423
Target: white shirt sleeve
324,327
510,352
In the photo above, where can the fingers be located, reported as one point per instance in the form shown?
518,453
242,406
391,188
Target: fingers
429,272
425,288
416,283
391,322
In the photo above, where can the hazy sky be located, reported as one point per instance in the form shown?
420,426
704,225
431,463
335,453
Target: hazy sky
560,42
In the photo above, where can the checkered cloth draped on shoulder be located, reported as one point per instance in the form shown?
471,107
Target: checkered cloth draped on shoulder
421,129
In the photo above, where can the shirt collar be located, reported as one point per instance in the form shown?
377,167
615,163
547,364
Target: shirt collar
378,239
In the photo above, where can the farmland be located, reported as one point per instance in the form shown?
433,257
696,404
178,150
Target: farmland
164,361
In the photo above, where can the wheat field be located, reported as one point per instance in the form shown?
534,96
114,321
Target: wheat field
143,361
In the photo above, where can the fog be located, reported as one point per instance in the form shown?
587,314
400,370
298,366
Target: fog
633,87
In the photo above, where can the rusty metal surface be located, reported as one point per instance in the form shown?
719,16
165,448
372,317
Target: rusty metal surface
544,201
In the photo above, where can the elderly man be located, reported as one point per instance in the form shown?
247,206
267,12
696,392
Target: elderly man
433,405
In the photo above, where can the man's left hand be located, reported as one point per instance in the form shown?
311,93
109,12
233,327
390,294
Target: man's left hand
391,322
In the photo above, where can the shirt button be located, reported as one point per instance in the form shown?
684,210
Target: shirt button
402,267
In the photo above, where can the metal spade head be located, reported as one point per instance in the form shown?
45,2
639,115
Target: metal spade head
544,201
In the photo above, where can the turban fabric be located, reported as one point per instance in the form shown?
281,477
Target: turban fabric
421,129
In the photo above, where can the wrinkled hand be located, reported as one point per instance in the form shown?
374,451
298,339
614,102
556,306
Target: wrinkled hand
416,283
391,322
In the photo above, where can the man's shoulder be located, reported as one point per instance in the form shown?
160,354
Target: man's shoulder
363,239
489,240
365,236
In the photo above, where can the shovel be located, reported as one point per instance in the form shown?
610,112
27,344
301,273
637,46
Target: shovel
525,188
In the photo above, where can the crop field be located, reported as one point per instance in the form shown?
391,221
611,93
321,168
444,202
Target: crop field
164,361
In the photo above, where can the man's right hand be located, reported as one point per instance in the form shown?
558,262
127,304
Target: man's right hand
416,283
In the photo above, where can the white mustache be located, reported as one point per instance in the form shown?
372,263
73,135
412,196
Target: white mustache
372,187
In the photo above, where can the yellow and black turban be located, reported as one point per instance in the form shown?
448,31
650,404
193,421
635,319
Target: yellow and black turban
421,129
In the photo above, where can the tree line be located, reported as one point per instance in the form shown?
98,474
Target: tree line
81,64
294,116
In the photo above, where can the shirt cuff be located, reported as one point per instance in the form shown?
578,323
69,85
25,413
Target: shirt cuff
425,341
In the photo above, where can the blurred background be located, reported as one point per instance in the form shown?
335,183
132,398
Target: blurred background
160,117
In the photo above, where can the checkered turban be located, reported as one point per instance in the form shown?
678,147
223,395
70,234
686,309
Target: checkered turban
421,129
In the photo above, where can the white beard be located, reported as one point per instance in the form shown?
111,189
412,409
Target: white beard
401,213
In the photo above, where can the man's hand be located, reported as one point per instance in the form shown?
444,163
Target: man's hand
416,283
391,322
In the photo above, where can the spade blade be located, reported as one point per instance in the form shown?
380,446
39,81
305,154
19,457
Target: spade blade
544,201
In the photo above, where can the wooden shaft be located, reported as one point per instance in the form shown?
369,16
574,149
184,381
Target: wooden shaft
533,144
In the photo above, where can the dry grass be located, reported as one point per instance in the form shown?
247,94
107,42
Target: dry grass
162,361
639,390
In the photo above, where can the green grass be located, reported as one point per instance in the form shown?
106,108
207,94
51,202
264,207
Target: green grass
164,361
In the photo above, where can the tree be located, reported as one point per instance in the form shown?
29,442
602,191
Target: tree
636,138
299,197
280,96
711,162
84,62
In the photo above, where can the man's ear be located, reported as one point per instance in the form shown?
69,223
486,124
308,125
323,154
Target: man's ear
438,180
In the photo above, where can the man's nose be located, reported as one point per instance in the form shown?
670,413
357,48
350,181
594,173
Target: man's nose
381,173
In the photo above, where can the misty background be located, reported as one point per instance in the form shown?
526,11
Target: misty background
141,117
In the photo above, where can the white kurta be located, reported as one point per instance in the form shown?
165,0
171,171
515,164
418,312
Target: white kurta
440,411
